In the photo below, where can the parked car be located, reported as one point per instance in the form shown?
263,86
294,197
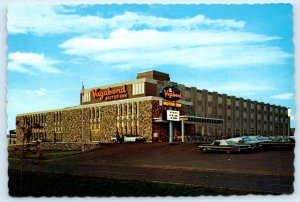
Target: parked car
128,138
225,146
254,141
280,143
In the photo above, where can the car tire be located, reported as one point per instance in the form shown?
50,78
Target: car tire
204,150
228,152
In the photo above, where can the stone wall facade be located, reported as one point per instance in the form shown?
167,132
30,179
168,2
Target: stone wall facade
99,123
145,119
96,123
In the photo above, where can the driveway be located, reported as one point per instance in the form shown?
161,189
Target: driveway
270,171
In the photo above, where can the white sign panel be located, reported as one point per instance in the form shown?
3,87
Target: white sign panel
173,115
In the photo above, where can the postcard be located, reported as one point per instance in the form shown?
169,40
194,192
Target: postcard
150,100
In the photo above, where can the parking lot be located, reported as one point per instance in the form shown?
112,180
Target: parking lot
269,171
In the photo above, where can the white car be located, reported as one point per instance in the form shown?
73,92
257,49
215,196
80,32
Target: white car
252,140
129,138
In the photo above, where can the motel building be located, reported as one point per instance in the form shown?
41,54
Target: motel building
158,109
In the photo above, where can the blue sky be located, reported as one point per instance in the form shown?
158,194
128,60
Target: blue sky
240,50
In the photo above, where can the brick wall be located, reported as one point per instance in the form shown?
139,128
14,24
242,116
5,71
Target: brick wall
108,122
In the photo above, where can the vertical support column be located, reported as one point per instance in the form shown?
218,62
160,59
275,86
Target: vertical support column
182,130
170,132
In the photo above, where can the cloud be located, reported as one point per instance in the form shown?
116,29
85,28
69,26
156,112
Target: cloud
41,91
195,49
51,19
31,62
284,96
134,40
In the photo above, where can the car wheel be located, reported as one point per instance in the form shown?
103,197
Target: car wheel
204,150
228,152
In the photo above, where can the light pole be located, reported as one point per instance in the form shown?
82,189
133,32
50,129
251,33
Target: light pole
82,129
82,96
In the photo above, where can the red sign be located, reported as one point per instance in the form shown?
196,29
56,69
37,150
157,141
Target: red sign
170,93
110,94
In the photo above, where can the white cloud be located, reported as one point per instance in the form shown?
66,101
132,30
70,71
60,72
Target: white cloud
41,91
133,40
195,49
31,62
284,96
50,19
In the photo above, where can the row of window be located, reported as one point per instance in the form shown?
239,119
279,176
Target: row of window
86,96
219,102
37,118
128,108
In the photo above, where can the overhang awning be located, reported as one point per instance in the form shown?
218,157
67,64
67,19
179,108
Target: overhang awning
193,119
200,119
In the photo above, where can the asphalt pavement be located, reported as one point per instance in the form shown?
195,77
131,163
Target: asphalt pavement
268,171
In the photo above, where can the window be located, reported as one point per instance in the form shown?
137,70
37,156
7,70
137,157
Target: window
258,126
209,110
265,117
220,100
138,88
199,96
86,96
209,104
229,124
228,101
259,107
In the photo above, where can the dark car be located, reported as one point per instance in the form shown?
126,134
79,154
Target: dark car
224,146
280,143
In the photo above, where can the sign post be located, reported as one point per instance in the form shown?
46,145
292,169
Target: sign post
172,115
170,132
171,94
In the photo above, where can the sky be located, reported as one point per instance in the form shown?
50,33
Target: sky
240,50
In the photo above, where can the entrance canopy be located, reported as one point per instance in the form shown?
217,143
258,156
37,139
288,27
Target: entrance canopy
200,119
217,123
194,120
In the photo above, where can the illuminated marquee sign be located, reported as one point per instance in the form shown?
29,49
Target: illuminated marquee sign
110,94
170,93
171,104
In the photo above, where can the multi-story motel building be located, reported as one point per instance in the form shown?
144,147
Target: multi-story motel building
135,107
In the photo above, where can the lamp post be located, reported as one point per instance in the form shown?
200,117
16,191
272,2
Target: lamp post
82,96
82,129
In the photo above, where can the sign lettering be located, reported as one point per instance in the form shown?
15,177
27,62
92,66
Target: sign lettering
173,115
110,94
170,93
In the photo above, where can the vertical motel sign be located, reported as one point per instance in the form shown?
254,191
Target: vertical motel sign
171,94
